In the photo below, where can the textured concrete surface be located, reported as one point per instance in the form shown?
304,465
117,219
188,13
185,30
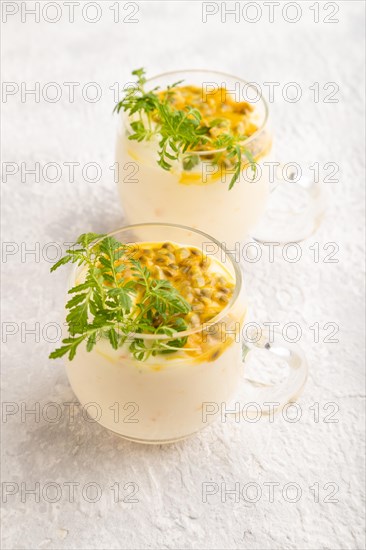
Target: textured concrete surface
321,453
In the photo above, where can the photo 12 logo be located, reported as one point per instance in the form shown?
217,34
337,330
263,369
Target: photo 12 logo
252,252
71,12
68,412
288,91
270,491
253,412
275,172
270,12
53,492
71,171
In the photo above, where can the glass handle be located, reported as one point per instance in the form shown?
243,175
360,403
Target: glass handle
295,208
271,397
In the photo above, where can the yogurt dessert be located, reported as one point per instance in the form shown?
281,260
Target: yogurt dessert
152,332
190,150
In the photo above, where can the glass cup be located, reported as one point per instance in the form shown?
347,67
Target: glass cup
199,197
169,397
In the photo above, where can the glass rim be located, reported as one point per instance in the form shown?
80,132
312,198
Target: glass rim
202,327
218,73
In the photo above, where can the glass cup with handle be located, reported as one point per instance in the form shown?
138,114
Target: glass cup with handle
169,397
261,204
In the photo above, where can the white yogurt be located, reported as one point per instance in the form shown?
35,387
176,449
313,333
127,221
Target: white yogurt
150,194
163,398
152,402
